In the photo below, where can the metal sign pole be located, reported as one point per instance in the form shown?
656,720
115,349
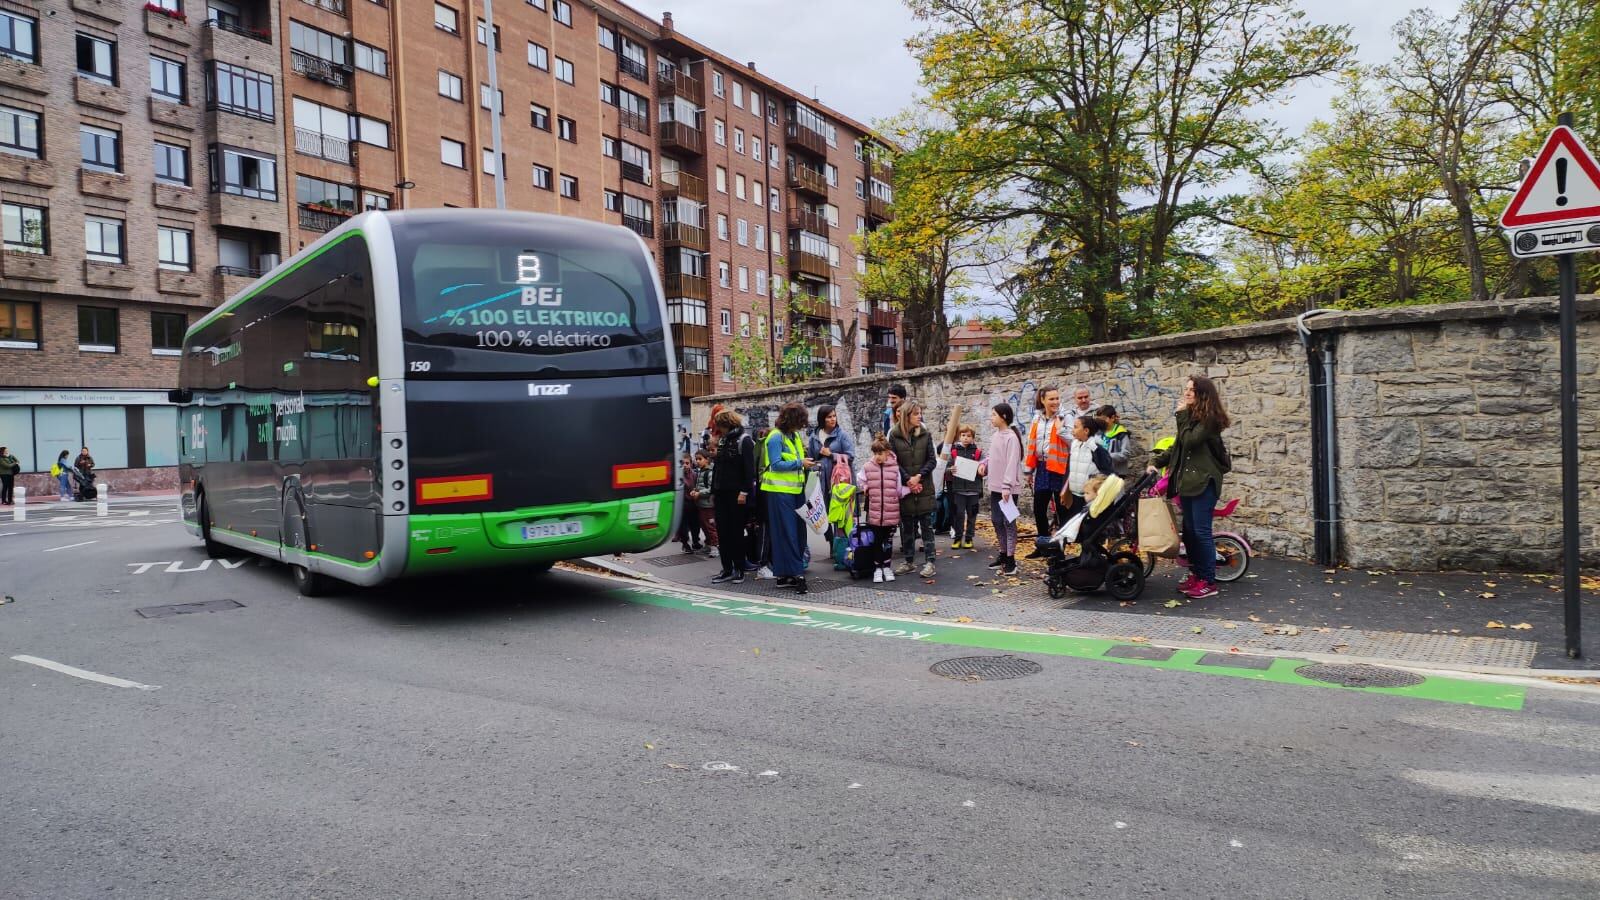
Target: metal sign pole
1569,444
494,106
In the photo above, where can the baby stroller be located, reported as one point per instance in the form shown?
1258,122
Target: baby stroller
83,484
1121,574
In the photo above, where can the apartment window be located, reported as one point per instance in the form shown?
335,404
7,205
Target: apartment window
167,79
635,163
686,311
310,191
452,153
102,148
634,60
97,329
722,226
725,321
371,59
483,35
755,150
24,228
719,131
322,131
19,132
172,163
760,238
608,146
536,4
608,93
245,92
724,274
761,281
372,131
488,161
315,42
744,324
613,201
744,285
483,99
97,59
541,116
564,70
777,241
103,239
541,176
774,201
722,180
755,103
569,187
608,38
772,155
166,333
19,325
175,249
19,37
562,12
449,85
861,189
643,211
738,94
738,186
738,141
727,368
445,19
757,192
244,174
743,232
716,83
538,56
861,225
375,200
831,172
567,129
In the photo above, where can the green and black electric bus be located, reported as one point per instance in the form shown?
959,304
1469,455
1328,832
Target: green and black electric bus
434,390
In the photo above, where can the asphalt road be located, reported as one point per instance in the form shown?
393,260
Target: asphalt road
543,738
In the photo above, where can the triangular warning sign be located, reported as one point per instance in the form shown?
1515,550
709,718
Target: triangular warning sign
1562,186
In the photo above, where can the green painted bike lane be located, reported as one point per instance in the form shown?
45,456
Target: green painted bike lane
1281,670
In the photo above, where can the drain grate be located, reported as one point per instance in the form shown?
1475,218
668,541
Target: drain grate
1135,651
681,559
178,609
986,668
1359,675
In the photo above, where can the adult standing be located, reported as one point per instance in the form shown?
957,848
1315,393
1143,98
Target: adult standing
733,482
891,414
828,446
1082,404
1049,451
912,446
784,484
1003,469
85,462
1198,460
9,467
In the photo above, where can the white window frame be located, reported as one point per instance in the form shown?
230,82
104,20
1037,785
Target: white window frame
449,148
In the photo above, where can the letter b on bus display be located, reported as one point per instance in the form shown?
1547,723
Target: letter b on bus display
530,269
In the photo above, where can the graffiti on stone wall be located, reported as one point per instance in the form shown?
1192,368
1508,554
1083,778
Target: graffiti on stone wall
1139,392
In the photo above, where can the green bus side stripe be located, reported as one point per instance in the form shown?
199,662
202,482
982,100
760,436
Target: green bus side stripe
293,267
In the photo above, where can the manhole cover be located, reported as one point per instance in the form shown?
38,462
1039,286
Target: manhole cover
986,668
180,609
1358,675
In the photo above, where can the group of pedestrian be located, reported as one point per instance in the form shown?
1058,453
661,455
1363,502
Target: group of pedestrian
748,489
63,471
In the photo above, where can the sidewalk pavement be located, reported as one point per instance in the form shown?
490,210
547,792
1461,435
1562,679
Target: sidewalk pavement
1465,620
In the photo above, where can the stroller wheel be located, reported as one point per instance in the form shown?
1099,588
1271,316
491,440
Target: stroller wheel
1149,564
1125,581
1057,588
1232,558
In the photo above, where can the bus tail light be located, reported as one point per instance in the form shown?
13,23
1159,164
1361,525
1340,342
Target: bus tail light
648,525
436,551
455,489
632,475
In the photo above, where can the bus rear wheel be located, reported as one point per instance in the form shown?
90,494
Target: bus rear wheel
214,550
307,582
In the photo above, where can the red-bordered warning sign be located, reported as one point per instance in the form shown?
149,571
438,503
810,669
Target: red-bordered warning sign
1562,186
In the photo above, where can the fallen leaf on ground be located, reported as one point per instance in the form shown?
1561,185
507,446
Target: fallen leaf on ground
1404,583
1494,624
758,651
929,612
1230,625
972,577
1172,604
1341,648
1487,595
649,746
1376,572
1522,626
1197,630
676,766
1490,584
1253,617
963,619
1140,640
1133,743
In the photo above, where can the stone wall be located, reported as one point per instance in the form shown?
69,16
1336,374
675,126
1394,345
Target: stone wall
1448,429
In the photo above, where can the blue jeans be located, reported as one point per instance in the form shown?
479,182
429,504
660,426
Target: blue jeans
1198,542
66,486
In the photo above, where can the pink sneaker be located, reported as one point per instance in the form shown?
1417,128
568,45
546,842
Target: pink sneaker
1188,583
1202,590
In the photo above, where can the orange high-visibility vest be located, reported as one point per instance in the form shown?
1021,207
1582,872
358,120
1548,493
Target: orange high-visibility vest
1057,455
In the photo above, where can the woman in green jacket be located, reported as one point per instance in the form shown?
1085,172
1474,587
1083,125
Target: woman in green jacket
913,449
1197,460
9,467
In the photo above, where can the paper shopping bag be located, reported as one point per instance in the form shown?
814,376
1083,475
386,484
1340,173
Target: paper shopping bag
1158,531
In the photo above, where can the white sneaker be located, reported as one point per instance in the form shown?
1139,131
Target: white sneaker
888,573
877,576
763,572
927,570
711,553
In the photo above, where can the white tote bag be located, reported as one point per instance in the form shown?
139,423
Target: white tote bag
815,510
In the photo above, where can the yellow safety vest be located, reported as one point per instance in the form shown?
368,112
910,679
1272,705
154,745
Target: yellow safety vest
784,482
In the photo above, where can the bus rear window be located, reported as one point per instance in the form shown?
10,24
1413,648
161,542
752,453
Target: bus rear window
489,299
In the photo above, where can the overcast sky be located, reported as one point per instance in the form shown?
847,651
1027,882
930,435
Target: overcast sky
852,53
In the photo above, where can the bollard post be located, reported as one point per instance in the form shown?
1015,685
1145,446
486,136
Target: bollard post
19,512
101,500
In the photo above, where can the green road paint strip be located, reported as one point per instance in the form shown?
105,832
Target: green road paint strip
1282,670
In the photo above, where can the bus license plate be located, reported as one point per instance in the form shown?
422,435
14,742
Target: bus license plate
541,530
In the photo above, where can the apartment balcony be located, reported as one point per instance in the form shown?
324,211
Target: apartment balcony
111,185
880,169
22,76
172,115
37,172
678,183
174,28
314,217
883,318
679,234
878,209
101,96
638,175
681,138
642,227
230,280
27,266
809,264
318,69
879,355
323,146
234,42
633,121
632,68
115,276
110,10
813,306
806,220
814,344
172,196
691,336
803,138
337,7
688,287
183,284
694,384
808,181
675,82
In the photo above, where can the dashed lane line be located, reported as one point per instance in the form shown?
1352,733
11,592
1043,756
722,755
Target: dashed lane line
70,546
85,674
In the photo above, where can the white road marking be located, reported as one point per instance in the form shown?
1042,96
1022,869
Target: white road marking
70,546
720,767
84,673
10,533
1579,792
1119,825
1420,853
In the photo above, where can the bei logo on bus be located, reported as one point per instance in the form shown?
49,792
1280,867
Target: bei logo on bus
532,270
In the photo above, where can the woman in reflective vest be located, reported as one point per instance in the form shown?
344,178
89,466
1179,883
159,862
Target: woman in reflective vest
783,480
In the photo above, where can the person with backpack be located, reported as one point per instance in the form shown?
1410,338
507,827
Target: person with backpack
828,445
63,477
1118,439
9,467
1003,469
912,446
882,490
1198,460
733,482
1089,458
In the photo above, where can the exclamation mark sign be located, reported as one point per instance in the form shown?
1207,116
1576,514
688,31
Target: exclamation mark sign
1561,181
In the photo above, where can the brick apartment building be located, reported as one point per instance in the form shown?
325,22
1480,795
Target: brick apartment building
266,123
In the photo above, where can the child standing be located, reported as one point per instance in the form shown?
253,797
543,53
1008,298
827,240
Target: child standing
1004,471
701,495
689,526
881,486
1089,458
964,492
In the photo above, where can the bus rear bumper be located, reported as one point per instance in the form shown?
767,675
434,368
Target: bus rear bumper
534,536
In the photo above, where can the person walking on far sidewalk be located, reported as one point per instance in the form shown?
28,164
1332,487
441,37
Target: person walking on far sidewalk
1198,460
9,467
913,448
733,483
1003,469
1049,449
63,477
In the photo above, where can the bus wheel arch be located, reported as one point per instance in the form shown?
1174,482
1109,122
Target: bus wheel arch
296,535
214,550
